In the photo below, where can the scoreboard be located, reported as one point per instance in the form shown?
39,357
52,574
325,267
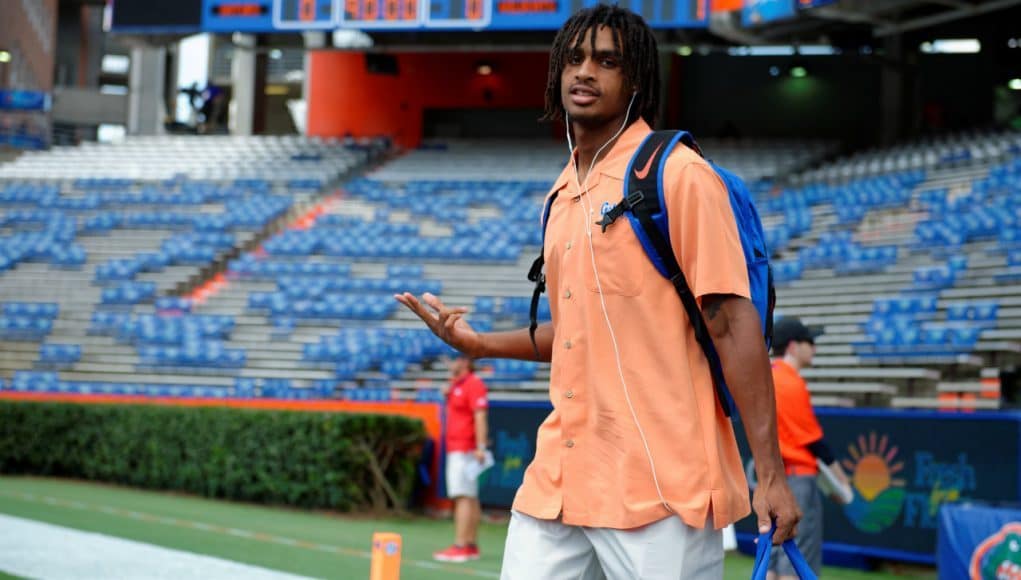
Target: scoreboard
256,16
758,12
395,15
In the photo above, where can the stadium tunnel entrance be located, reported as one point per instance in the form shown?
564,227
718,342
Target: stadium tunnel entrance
414,95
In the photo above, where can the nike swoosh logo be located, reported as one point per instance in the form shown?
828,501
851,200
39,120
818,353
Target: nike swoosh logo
644,172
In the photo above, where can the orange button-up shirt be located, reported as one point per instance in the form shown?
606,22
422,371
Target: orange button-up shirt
591,467
796,424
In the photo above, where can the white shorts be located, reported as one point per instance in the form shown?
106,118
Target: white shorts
668,549
458,483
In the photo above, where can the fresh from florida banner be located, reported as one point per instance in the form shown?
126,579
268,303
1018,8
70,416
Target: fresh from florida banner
904,466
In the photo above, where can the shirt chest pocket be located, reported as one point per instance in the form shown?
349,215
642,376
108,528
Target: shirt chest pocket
620,260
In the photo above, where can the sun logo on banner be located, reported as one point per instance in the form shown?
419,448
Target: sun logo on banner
878,492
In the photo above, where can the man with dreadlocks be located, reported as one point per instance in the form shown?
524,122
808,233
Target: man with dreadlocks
636,470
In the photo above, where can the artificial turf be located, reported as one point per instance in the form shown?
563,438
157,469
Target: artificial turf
300,542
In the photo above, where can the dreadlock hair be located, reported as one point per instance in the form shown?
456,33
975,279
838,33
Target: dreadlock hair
639,57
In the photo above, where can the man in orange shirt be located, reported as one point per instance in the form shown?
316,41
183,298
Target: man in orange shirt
636,469
801,441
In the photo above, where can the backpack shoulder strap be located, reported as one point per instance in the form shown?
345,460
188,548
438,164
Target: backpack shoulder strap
643,199
536,275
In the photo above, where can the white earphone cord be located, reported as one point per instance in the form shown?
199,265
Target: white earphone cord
582,190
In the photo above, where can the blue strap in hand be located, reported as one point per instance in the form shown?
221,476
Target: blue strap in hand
762,552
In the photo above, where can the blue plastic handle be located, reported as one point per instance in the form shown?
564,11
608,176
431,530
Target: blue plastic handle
762,553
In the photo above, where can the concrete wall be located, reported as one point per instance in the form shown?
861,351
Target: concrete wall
78,106
28,30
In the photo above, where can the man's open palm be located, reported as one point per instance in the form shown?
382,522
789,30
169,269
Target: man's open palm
445,322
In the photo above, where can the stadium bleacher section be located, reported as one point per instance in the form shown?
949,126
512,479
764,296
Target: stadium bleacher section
98,244
267,284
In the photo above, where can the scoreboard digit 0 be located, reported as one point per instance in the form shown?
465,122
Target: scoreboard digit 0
458,14
303,14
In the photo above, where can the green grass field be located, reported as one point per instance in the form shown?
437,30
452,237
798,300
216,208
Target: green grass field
307,543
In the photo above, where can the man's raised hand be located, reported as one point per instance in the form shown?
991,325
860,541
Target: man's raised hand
445,322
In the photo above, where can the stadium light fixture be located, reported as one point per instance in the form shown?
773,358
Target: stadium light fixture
817,50
5,56
349,38
1015,84
117,64
783,50
952,46
764,50
685,50
799,72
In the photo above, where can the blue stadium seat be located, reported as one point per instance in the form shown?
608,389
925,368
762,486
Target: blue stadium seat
25,328
978,314
786,271
509,370
31,309
485,305
428,396
60,354
129,293
244,388
34,381
934,277
173,304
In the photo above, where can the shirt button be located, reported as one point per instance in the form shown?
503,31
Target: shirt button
569,443
567,344
567,294
569,394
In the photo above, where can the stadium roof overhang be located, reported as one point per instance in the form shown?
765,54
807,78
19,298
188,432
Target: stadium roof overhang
875,19
899,16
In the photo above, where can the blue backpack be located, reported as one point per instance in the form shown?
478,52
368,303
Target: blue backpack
645,208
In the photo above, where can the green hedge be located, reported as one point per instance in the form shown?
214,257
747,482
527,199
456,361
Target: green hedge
347,462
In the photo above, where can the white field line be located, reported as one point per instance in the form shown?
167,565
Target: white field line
37,550
460,569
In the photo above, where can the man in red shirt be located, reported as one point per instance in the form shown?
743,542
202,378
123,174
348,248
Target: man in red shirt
466,436
801,441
